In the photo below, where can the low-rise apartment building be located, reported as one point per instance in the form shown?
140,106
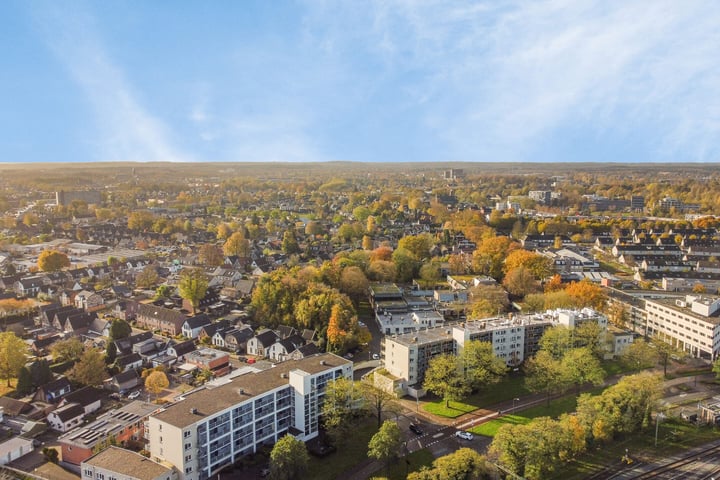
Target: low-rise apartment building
213,427
691,324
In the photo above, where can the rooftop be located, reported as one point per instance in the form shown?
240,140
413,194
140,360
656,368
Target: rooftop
209,401
125,462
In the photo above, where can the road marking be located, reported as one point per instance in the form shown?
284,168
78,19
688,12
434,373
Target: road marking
438,435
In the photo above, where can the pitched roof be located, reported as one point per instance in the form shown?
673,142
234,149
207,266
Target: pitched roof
69,411
127,464
184,348
84,396
197,321
266,337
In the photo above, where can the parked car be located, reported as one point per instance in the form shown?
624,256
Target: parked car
464,435
134,395
416,429
376,356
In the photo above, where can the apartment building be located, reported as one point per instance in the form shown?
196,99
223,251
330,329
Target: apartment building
213,427
691,324
513,339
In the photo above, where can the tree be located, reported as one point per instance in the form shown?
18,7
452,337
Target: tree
236,245
290,243
210,254
462,464
140,220
490,255
580,366
664,351
442,379
556,341
40,372
480,364
90,369
119,329
406,265
193,286
148,277
24,381
288,459
377,400
538,265
544,374
52,261
156,382
488,300
418,245
587,294
69,350
430,274
336,334
520,281
354,283
385,444
339,410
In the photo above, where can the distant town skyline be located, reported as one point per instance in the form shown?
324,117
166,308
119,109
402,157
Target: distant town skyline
363,81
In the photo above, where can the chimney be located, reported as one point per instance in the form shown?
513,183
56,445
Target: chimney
193,411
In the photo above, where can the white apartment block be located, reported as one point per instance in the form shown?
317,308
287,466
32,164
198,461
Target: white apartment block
513,339
214,427
691,325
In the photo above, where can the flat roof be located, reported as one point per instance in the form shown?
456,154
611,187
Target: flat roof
208,401
125,462
423,336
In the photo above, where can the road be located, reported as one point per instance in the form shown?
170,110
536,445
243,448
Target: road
702,463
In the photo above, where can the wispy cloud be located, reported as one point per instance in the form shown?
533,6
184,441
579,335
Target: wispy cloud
496,79
126,129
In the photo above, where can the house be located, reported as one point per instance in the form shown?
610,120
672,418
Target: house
124,346
234,339
281,350
129,362
124,381
53,391
259,344
209,331
66,418
211,297
192,325
14,408
153,317
14,448
87,397
304,351
89,301
28,286
115,462
79,323
181,349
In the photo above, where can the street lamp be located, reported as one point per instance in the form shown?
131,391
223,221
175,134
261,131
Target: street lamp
658,417
514,400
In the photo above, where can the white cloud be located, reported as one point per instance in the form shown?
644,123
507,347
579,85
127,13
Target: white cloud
128,131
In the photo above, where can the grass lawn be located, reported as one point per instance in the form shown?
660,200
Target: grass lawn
417,460
4,389
352,453
556,408
509,388
674,436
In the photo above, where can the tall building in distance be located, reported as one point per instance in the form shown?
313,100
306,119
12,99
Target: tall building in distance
91,197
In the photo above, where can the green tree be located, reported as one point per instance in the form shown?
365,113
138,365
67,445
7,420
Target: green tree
665,351
52,261
520,282
40,372
480,364
24,381
581,366
385,444
442,379
193,286
67,350
488,300
119,329
406,265
288,459
556,341
639,355
418,245
290,243
544,374
90,369
340,409
463,464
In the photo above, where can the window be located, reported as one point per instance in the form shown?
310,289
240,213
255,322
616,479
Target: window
188,458
186,434
88,473
188,470
100,476
188,446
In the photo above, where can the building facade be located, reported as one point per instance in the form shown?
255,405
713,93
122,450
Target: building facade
214,427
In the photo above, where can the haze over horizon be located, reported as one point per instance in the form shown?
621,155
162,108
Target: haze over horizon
375,81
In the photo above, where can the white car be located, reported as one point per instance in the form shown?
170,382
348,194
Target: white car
464,435
376,356
134,395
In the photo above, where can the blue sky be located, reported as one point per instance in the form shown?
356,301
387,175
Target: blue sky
367,81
